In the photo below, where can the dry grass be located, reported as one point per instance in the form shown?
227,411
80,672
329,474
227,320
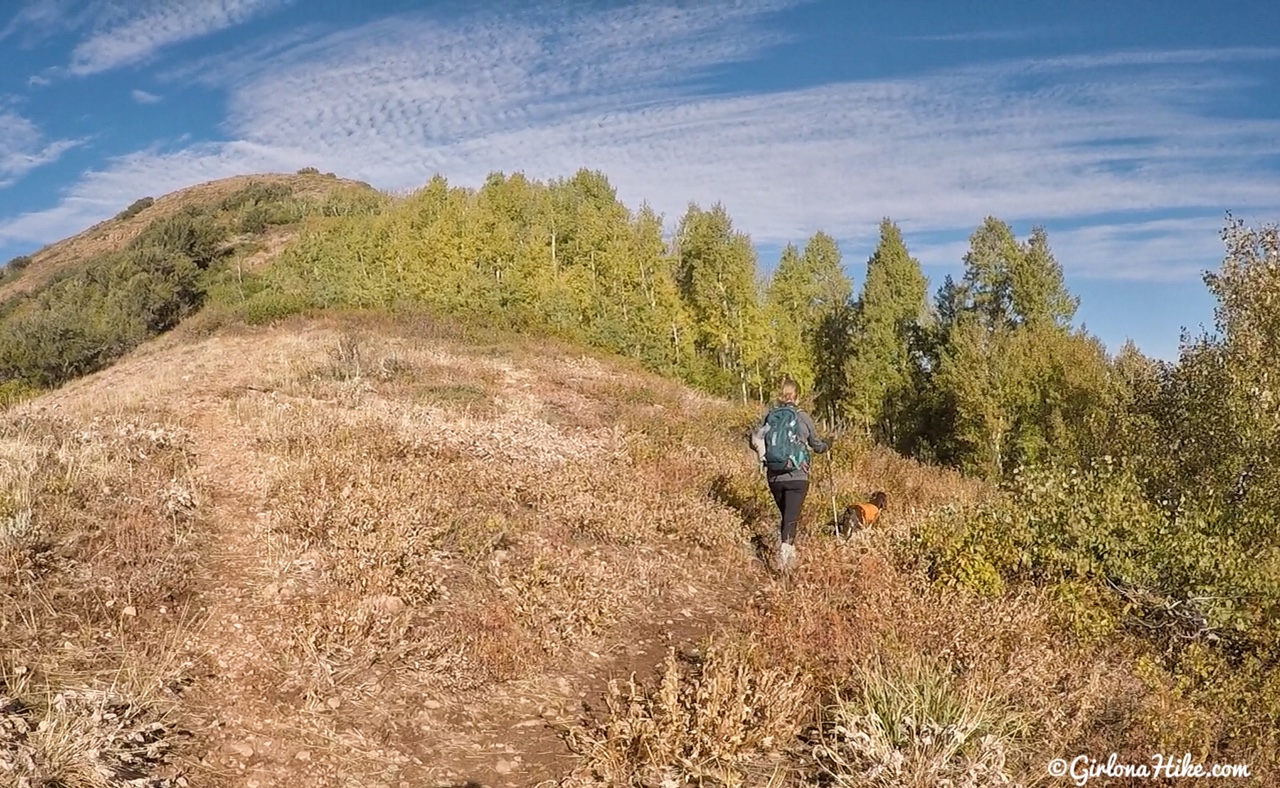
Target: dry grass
479,528
388,551
86,737
722,717
908,722
96,557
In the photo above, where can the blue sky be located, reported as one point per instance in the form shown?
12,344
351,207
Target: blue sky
1127,129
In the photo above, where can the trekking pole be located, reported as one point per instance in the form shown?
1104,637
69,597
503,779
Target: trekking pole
831,487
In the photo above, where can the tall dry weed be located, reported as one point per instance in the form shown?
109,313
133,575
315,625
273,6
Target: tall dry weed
725,716
908,723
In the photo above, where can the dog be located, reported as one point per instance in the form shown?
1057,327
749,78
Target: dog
861,515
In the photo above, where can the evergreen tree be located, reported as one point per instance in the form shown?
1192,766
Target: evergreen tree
1038,294
987,287
831,286
892,307
1011,384
829,320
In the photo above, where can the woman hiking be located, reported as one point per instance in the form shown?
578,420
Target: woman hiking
782,442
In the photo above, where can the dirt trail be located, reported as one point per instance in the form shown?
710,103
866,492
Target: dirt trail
509,735
259,734
252,727
512,735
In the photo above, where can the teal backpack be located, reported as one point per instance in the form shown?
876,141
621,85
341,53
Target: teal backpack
783,448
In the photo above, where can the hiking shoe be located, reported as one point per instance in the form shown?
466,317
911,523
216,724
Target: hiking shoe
786,556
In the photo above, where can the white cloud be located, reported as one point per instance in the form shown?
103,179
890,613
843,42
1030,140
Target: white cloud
104,193
128,33
988,35
1151,250
1108,139
1161,249
23,147
438,83
1158,57
143,97
38,17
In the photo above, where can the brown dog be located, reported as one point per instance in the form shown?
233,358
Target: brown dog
861,515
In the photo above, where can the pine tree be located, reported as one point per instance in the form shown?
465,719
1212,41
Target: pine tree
829,322
1037,293
987,286
1012,383
892,307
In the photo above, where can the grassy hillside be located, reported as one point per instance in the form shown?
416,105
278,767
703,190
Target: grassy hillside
265,522
78,305
358,551
115,234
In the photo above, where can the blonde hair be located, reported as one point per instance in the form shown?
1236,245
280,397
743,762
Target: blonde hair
789,391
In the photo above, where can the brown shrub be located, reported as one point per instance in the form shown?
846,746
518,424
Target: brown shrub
725,716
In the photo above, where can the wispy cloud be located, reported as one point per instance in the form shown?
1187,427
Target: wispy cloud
1112,137
38,18
484,74
23,147
1158,57
987,35
103,193
1156,250
143,97
131,33
935,152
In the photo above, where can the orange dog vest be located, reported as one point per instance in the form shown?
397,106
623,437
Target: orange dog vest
869,512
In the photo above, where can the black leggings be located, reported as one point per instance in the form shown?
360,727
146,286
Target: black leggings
789,496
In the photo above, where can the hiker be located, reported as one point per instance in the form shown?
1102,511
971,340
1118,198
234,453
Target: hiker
782,442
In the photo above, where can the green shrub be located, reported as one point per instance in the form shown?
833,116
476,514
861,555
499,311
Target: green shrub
137,207
256,194
271,305
259,216
90,315
1094,538
14,391
253,221
353,201
191,232
14,268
